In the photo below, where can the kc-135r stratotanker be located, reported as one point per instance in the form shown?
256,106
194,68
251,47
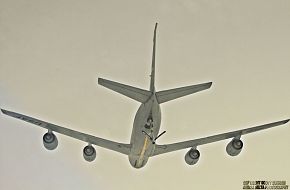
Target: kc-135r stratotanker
146,125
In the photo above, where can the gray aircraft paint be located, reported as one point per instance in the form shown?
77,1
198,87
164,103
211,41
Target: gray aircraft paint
142,144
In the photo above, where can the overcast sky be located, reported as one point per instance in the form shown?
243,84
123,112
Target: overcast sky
52,52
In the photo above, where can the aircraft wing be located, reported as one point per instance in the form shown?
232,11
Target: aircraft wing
115,146
161,149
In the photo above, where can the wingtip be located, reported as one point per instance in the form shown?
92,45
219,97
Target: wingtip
210,84
3,111
100,80
286,121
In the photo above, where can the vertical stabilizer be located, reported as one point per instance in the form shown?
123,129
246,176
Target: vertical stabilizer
152,80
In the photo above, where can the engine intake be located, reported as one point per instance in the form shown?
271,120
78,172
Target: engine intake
234,147
50,141
192,156
89,153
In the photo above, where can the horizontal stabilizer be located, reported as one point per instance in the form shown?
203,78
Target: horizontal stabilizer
167,95
137,94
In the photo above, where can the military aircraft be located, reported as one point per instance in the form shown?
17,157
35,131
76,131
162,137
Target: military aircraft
146,125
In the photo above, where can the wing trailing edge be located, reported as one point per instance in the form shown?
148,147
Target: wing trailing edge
161,149
111,145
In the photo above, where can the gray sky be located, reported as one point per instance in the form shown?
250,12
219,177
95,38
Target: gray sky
51,53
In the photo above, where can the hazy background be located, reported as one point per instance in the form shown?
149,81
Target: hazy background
52,52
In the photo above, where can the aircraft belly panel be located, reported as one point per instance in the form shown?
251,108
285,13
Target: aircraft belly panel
142,146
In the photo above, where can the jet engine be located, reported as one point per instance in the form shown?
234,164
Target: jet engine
234,147
89,153
192,156
50,141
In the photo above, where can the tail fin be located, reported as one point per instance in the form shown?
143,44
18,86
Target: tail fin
137,94
152,80
167,95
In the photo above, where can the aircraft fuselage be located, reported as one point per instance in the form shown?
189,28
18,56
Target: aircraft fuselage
148,119
146,125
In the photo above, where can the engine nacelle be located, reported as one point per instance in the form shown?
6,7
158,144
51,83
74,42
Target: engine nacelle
50,141
192,156
234,147
89,153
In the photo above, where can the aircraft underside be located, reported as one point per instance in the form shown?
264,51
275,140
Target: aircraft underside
146,125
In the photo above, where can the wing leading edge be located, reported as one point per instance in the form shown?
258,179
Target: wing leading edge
161,149
115,146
